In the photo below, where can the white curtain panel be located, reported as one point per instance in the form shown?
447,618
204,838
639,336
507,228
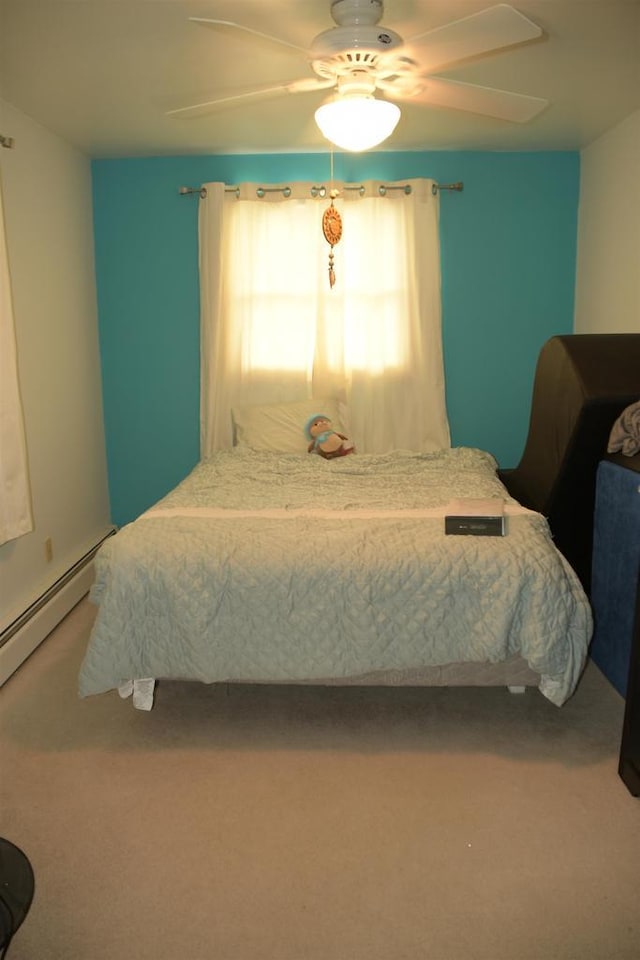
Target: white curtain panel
273,329
15,500
215,387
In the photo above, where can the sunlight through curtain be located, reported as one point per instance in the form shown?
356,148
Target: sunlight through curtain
15,501
274,330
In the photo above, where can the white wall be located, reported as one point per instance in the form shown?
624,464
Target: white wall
48,216
608,267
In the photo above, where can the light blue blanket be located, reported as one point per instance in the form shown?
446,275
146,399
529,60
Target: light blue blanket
262,567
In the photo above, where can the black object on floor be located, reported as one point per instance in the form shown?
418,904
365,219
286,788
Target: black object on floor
17,885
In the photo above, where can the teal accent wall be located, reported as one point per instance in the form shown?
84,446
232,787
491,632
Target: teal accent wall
508,257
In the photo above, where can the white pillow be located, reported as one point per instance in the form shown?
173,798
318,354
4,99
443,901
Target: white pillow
279,427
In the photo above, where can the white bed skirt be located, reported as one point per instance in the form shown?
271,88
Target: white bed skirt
514,673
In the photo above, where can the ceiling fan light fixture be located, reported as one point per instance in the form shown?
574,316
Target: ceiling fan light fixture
357,123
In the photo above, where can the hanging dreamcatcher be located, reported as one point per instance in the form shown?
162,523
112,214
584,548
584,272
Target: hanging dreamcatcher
332,230
332,226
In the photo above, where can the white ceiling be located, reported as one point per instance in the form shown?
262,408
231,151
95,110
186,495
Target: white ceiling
103,73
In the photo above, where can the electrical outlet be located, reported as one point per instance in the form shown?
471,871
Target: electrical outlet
48,549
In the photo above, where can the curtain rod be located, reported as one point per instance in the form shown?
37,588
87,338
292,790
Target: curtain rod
321,191
459,186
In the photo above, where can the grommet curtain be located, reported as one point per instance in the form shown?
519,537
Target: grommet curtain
273,329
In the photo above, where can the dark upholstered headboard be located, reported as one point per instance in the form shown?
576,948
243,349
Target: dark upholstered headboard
582,384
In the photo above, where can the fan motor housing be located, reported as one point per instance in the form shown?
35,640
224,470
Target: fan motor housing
343,40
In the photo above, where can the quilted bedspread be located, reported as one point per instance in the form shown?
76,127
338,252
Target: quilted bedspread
263,567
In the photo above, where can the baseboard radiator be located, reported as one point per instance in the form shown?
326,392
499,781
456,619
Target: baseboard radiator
21,637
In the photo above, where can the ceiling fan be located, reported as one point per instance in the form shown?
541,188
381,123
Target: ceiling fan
358,56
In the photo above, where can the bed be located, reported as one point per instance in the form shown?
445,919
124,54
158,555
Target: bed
268,566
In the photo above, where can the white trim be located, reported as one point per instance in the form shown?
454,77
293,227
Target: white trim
46,618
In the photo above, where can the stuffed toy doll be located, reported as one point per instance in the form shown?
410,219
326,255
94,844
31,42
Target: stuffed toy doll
323,439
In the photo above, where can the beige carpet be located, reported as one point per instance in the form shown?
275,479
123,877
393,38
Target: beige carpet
289,823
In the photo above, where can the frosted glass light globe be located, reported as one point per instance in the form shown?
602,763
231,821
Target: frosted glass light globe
357,123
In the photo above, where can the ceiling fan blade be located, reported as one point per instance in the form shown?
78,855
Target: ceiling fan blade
305,85
489,30
256,33
502,104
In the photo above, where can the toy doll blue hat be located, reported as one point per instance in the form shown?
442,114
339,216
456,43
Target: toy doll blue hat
316,416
